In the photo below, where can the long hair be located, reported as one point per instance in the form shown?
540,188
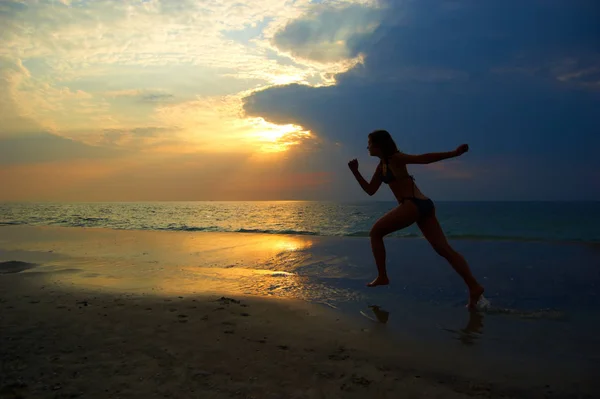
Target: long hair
384,141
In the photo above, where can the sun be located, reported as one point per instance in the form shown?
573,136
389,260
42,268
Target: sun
276,132
277,138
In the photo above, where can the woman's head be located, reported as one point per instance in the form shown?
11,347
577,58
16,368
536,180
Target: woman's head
381,144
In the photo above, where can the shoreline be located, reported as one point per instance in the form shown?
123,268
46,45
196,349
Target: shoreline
292,233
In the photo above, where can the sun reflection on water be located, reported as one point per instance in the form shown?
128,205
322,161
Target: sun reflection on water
177,263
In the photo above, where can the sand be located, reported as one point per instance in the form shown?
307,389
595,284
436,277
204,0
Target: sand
60,343
59,339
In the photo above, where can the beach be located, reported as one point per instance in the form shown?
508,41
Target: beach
194,195
90,312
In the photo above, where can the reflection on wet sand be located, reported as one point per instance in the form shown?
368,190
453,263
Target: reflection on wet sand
467,335
472,331
190,280
381,315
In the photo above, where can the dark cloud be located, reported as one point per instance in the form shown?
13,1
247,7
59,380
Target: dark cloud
326,33
156,97
473,35
144,96
513,79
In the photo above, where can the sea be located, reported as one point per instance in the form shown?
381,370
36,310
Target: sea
516,221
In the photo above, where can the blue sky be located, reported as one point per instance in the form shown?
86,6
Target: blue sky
162,100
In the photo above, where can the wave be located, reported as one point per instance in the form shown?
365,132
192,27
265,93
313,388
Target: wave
99,222
394,235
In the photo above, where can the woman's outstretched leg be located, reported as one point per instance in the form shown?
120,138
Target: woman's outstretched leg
433,232
396,219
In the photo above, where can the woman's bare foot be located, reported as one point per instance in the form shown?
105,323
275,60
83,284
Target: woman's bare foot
380,280
474,295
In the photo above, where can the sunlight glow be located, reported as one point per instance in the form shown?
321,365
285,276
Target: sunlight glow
277,138
287,79
291,244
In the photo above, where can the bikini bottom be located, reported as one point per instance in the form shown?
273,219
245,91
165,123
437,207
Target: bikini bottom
425,206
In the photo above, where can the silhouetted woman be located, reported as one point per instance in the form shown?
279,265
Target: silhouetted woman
414,206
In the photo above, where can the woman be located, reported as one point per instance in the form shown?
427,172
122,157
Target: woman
414,207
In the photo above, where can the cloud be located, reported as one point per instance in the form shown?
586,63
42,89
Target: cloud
124,93
45,147
157,97
326,34
76,68
437,76
80,39
11,7
14,119
32,104
142,95
140,138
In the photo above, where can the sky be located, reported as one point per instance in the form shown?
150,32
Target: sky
161,100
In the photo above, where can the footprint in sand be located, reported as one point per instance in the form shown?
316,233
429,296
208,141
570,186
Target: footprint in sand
360,380
339,354
228,301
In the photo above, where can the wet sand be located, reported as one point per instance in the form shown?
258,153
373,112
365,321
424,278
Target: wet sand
66,335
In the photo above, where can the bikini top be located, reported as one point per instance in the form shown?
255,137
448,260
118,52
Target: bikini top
387,176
